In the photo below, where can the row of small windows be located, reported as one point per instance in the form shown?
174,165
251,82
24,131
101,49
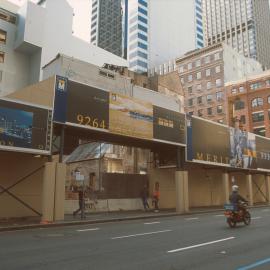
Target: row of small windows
252,86
200,100
198,62
256,102
190,77
7,16
143,11
139,26
139,44
138,63
143,3
138,53
138,35
210,111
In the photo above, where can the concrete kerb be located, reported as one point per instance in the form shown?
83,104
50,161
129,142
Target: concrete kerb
109,220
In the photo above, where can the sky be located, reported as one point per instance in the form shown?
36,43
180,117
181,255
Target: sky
81,21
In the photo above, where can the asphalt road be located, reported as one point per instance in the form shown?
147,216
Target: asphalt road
203,242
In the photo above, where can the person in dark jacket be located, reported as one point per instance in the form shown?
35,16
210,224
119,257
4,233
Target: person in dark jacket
144,196
236,199
81,203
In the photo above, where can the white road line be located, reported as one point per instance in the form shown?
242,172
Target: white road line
139,234
256,218
192,218
219,215
86,230
200,245
149,223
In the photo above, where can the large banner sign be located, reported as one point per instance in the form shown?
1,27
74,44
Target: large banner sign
263,152
25,127
208,142
85,106
131,117
215,144
169,125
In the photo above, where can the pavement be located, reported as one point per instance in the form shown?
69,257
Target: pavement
196,242
102,217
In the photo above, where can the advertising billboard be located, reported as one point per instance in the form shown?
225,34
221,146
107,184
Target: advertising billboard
169,125
87,106
25,127
82,105
131,117
263,153
216,144
208,142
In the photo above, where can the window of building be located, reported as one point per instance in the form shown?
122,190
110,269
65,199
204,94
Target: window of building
3,36
199,75
182,80
219,108
243,119
200,112
189,66
239,105
181,69
210,111
199,87
142,64
143,3
258,116
217,56
143,11
199,100
8,17
217,69
142,45
241,89
207,59
267,82
142,19
198,63
190,113
255,86
143,37
219,95
268,99
209,85
2,57
234,91
209,98
208,72
140,27
190,77
1,75
190,89
259,131
256,102
218,83
190,102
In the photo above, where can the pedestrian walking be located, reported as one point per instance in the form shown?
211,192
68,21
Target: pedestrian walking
81,203
156,196
144,196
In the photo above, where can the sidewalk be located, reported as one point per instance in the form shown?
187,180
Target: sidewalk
104,217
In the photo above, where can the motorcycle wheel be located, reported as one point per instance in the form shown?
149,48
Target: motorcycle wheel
247,218
231,222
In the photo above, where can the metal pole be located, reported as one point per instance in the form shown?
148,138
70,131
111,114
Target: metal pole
83,203
62,143
180,158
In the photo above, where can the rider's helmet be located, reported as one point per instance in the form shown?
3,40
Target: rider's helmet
235,188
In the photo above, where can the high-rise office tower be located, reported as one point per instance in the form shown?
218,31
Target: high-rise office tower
161,30
138,45
242,24
108,25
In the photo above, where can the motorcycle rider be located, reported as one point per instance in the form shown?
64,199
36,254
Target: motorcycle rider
236,199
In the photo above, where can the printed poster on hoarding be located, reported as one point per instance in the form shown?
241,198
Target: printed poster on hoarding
263,153
243,149
130,117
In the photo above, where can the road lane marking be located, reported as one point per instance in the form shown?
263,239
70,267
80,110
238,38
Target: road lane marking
255,218
192,218
86,230
139,234
258,263
200,245
150,223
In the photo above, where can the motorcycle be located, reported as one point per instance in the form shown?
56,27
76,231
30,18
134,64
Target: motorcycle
235,214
